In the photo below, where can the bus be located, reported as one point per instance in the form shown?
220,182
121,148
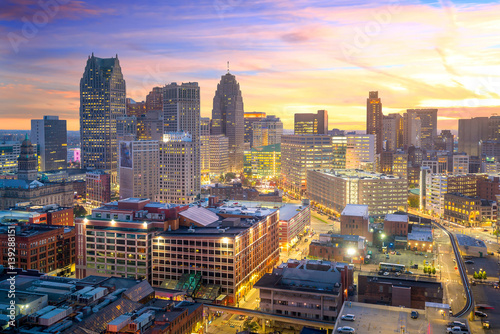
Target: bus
392,267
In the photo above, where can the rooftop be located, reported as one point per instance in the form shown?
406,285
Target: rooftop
465,240
396,218
288,211
358,174
200,215
355,210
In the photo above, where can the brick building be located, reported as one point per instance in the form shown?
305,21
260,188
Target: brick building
354,221
396,225
337,247
239,193
395,291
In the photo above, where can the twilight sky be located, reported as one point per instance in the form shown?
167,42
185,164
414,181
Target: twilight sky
288,55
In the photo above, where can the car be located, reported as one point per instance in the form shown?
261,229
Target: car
414,314
469,262
381,272
480,314
425,256
454,260
387,256
485,230
398,253
409,272
398,273
348,317
457,324
496,286
306,240
386,273
457,330
484,307
345,329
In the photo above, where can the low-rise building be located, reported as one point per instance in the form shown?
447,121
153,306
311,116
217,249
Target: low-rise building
305,289
420,238
354,220
470,246
396,225
293,221
337,247
468,210
397,291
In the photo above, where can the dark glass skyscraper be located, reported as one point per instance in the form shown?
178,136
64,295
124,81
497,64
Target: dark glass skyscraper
228,118
50,136
102,100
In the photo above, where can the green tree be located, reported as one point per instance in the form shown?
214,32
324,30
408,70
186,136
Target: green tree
79,211
425,270
230,176
475,275
250,326
433,271
413,201
484,275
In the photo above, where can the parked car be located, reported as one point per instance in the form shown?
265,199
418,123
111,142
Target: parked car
387,256
398,253
398,273
457,330
480,314
457,323
386,273
414,314
348,317
495,286
469,262
346,329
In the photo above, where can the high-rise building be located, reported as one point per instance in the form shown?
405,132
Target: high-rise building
470,133
102,101
9,153
339,144
219,154
27,162
266,161
205,147
421,127
267,131
228,118
374,119
392,129
126,128
250,118
136,109
445,141
50,136
494,128
360,149
139,168
400,164
311,124
150,125
179,178
300,153
181,113
460,164
154,100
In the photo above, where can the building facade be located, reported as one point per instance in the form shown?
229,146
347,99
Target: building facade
9,153
421,128
468,210
266,161
294,219
374,119
50,136
470,133
219,154
311,124
102,101
249,119
267,131
98,188
360,149
339,145
228,118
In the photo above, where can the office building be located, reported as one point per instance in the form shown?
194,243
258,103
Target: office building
27,162
116,239
230,254
228,118
460,164
335,189
179,183
265,161
311,124
102,101
136,109
139,168
490,150
181,113
126,128
249,119
339,145
305,289
470,133
50,136
494,128
267,131
98,188
300,153
384,161
445,141
467,210
392,129
360,149
219,154
205,148
400,164
374,119
39,247
154,100
294,218
9,153
420,128
150,125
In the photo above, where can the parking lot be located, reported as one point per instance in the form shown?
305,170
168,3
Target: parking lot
406,257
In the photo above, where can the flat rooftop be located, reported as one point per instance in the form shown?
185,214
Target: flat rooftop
372,318
358,174
396,218
466,240
355,210
288,211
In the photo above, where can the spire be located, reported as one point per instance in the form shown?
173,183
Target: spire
228,66
26,137
117,56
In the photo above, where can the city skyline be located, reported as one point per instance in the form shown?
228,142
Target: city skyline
310,55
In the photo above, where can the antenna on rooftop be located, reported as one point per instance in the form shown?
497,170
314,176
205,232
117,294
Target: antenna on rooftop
228,67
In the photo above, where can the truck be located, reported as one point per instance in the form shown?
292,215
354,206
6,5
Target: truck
457,330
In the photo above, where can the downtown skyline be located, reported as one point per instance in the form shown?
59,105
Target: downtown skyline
288,57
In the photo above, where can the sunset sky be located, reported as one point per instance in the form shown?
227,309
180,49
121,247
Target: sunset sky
288,56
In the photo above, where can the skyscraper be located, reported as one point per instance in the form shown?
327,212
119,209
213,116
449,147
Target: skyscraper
50,136
427,128
311,124
374,118
181,113
102,100
227,118
250,118
392,131
470,133
26,164
267,131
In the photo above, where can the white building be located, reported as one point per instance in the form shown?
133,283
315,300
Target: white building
178,179
460,164
360,151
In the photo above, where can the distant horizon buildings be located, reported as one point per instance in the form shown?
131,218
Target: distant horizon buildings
50,136
102,101
228,118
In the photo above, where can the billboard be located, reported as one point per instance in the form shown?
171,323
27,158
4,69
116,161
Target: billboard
126,154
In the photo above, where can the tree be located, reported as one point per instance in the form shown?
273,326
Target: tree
433,271
250,326
413,201
484,275
475,275
79,211
425,270
230,176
